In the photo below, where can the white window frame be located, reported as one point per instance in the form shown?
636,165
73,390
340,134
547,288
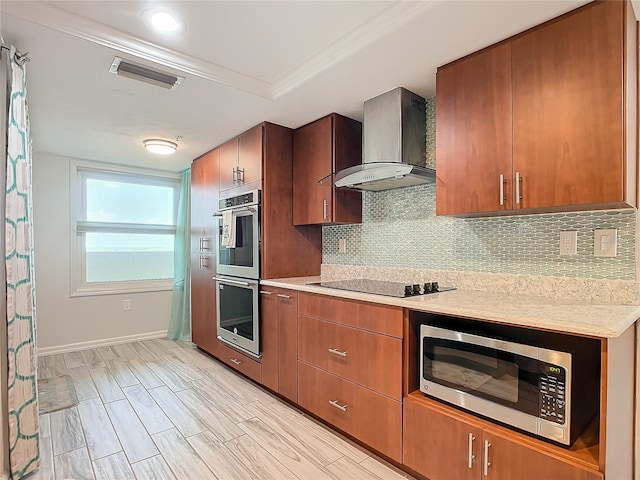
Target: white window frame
79,287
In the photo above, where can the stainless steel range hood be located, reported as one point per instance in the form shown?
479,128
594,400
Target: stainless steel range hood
393,144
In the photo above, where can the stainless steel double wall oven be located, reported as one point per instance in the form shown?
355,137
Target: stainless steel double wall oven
238,271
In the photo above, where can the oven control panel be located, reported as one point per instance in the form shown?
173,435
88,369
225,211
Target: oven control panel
552,399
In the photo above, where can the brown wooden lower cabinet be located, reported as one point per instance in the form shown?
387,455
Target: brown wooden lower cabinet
442,443
372,418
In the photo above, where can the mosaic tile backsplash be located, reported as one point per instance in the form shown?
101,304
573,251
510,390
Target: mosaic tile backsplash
400,229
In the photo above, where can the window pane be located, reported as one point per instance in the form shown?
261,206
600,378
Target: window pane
114,257
113,201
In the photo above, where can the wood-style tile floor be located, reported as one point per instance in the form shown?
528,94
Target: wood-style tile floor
162,410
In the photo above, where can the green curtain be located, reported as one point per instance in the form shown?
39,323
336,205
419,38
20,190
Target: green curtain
180,322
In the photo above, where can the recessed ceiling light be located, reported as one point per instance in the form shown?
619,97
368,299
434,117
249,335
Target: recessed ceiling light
160,147
161,21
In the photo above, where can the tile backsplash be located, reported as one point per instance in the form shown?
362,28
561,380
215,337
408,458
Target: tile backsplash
400,229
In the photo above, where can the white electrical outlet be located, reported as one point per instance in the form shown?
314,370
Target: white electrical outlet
569,243
126,305
342,245
605,242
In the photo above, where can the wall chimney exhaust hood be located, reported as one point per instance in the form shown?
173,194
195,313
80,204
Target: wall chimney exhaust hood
393,144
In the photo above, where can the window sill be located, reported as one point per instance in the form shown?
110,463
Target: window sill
121,288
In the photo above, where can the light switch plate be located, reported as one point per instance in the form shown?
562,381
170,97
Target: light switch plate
569,243
605,242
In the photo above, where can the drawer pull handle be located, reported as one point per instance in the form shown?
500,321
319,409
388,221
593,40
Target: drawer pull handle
337,405
236,361
264,292
487,463
501,189
518,182
471,456
282,295
335,351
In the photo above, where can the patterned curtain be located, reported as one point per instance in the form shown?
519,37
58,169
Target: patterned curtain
180,320
24,453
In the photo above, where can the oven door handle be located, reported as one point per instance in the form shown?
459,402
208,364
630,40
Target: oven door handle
232,282
240,209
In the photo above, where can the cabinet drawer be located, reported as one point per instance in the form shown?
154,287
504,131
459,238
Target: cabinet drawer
239,362
371,418
366,358
375,317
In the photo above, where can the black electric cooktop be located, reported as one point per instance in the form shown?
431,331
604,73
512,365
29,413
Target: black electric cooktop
381,287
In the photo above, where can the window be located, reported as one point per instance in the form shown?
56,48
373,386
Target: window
124,223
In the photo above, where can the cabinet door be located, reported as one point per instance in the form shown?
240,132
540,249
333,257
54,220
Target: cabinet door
347,150
288,344
203,302
473,134
250,155
510,459
312,161
269,336
228,164
440,446
567,109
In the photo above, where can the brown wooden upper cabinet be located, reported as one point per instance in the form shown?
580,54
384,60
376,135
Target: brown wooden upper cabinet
321,148
241,161
545,121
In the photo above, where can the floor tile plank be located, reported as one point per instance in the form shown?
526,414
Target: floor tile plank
257,460
74,464
106,353
168,376
219,397
73,359
66,430
124,351
151,415
184,420
219,458
113,467
242,390
185,372
54,366
45,426
83,383
122,373
101,438
154,468
194,357
93,359
346,469
384,470
106,385
283,451
155,347
46,470
221,425
146,376
135,440
184,461
143,353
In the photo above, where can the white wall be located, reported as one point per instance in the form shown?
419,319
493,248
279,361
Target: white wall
61,319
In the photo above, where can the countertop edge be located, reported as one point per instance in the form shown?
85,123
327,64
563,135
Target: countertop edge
542,313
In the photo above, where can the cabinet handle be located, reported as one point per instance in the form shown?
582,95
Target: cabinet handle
337,405
501,189
201,243
235,176
232,282
204,244
518,180
265,292
487,463
471,456
282,295
338,352
324,209
204,261
236,361
240,176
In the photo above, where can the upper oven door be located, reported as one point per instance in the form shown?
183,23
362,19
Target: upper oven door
243,260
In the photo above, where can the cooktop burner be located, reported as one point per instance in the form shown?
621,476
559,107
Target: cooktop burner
380,287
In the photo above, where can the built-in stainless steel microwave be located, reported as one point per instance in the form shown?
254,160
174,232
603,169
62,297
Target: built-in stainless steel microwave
524,386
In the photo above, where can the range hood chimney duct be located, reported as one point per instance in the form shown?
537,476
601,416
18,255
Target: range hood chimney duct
393,144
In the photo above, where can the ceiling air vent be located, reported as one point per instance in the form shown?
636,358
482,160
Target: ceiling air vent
144,74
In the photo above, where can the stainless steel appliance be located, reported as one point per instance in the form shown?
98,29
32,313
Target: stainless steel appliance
238,273
536,389
382,287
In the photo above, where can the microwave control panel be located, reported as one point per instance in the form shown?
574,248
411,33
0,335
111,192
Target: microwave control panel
552,393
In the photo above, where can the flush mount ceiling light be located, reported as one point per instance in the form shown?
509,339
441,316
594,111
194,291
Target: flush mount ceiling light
161,21
160,147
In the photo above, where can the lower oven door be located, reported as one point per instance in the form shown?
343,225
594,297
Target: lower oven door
238,313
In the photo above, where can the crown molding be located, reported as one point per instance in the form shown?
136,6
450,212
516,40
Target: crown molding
387,21
100,34
391,19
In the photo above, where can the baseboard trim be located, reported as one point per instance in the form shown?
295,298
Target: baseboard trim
105,342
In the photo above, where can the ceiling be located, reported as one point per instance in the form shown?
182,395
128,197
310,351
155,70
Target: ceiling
244,62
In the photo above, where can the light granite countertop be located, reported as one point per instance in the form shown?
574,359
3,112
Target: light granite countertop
560,315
